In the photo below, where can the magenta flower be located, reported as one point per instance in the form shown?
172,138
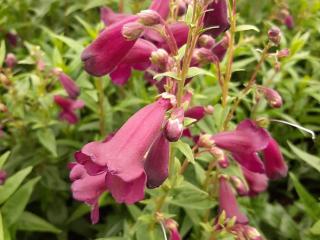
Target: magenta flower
3,177
247,138
221,48
120,160
217,16
109,17
161,6
228,202
156,163
103,55
86,188
137,58
274,163
68,107
289,21
68,84
198,112
172,226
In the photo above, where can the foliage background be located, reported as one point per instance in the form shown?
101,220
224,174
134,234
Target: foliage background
37,204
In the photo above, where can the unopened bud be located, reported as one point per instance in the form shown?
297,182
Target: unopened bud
174,126
252,233
11,60
201,56
289,21
209,109
217,153
3,108
206,41
3,177
224,163
277,67
149,17
283,53
132,31
274,35
160,58
171,97
4,80
205,141
239,186
272,96
182,7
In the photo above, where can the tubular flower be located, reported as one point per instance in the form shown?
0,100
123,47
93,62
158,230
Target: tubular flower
137,58
217,17
199,112
120,160
228,202
68,84
87,188
156,163
161,6
274,163
68,107
172,226
103,55
257,182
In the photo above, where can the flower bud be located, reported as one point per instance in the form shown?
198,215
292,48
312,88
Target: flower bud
3,177
242,190
132,31
11,60
4,80
182,7
263,122
277,66
149,17
224,163
205,141
283,53
274,35
217,153
160,58
209,109
201,56
206,41
3,108
289,21
272,96
252,233
174,126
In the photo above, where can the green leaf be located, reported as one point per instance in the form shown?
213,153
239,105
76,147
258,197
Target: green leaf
90,30
2,52
4,157
312,207
79,212
31,222
1,228
188,17
195,71
316,228
167,74
185,149
313,161
247,27
48,140
14,207
13,183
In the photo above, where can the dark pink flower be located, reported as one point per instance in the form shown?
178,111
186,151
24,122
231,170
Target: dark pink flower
156,163
12,38
217,16
69,85
3,177
11,60
247,138
272,96
198,112
86,188
103,55
228,202
110,17
120,159
137,58
68,107
220,49
289,21
274,163
161,6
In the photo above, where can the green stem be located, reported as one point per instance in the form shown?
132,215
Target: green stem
102,113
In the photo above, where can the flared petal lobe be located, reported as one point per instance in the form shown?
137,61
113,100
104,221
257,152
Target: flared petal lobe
161,6
107,51
68,107
156,163
108,16
257,182
228,202
274,163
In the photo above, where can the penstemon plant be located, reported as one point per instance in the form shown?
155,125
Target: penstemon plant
196,160
173,42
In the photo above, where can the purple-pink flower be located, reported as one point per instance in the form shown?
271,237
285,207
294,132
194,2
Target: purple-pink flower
68,107
120,161
68,84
